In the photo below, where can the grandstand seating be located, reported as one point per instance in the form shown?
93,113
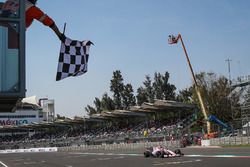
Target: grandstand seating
77,135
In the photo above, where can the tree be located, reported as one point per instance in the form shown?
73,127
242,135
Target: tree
128,98
149,89
107,103
94,110
141,96
158,86
90,110
217,95
162,88
167,88
123,96
145,94
117,87
98,106
185,95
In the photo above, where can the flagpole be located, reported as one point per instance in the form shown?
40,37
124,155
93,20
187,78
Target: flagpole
64,28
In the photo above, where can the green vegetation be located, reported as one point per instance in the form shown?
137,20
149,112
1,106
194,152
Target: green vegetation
219,99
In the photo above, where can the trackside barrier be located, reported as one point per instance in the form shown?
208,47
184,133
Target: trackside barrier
120,146
171,144
205,143
30,150
130,146
230,141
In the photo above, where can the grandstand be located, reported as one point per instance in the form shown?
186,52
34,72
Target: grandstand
162,120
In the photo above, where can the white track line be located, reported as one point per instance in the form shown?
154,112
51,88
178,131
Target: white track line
3,164
219,156
194,155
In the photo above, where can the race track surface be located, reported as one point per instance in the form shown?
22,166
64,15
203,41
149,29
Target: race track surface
195,157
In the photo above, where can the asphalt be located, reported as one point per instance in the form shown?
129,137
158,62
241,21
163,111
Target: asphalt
195,157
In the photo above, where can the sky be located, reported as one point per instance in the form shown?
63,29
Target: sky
131,36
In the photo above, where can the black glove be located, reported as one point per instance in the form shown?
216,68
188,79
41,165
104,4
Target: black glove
62,37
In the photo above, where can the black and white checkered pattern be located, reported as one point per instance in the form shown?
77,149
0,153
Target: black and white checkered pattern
73,58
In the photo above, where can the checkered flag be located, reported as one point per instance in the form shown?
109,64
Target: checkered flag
73,58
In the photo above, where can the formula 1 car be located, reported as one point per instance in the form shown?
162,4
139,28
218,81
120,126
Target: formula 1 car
161,152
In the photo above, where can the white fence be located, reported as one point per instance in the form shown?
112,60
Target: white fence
171,144
30,150
230,141
120,146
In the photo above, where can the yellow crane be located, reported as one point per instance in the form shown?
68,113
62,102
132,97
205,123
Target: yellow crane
174,40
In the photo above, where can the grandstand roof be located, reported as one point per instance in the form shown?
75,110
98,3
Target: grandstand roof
128,113
163,105
116,114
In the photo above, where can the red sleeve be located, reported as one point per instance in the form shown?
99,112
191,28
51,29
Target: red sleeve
36,13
